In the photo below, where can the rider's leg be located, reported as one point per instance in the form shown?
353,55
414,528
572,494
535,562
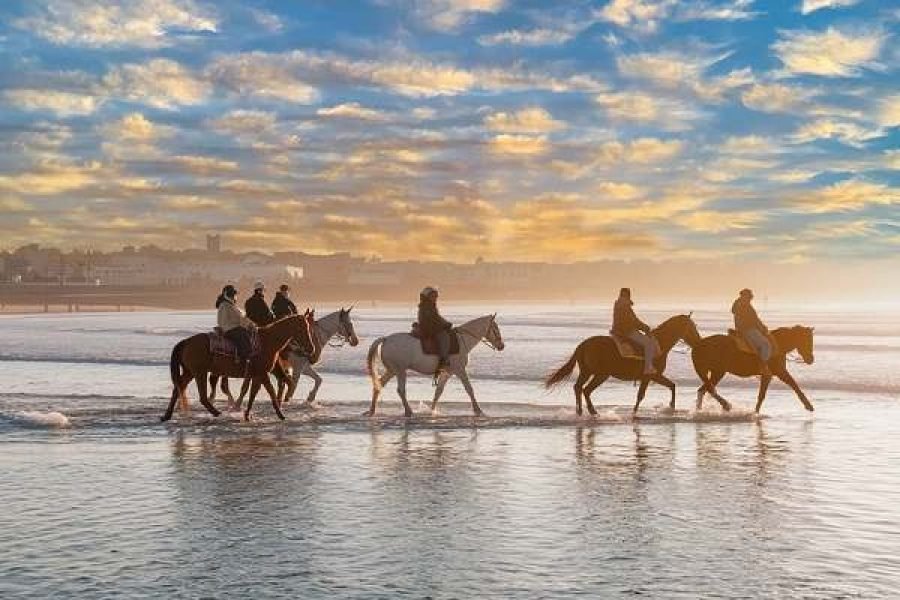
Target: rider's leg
443,343
439,389
649,348
763,347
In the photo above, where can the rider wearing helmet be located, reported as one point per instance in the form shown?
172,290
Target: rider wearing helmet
282,306
257,308
433,325
748,324
626,324
233,323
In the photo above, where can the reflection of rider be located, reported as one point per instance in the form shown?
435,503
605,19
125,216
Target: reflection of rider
282,305
257,308
233,323
433,325
748,324
626,324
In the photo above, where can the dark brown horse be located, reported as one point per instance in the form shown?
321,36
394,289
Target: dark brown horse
598,359
191,359
717,355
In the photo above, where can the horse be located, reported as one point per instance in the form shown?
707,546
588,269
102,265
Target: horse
598,358
400,352
191,359
717,355
279,370
336,324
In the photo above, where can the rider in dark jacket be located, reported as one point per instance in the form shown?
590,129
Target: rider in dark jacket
432,324
748,324
257,308
282,306
626,324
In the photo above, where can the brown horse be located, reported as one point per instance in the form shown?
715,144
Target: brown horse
718,354
598,359
191,359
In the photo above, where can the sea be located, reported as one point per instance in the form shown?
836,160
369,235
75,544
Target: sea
102,500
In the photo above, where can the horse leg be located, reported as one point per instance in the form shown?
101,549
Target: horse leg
713,382
764,381
213,384
665,381
201,389
464,377
254,389
642,391
401,391
232,403
177,393
276,399
438,390
245,385
376,392
578,386
789,379
592,385
311,398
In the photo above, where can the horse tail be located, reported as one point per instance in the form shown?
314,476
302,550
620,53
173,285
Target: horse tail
563,372
175,362
371,367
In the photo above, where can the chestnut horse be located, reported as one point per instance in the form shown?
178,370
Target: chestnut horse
191,359
598,359
718,354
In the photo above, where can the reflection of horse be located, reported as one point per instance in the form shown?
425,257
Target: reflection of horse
400,352
598,358
191,359
336,324
717,355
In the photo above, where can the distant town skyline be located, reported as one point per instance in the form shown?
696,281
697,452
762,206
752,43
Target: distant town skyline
513,130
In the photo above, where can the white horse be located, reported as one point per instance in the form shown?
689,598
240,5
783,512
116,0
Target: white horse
337,324
400,352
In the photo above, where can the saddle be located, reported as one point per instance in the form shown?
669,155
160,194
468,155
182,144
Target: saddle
744,346
221,345
429,344
627,348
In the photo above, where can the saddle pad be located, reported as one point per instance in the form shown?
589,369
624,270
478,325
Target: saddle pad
741,343
429,345
219,344
627,348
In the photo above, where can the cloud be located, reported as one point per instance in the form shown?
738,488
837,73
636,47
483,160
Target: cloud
748,144
672,70
134,127
618,191
243,122
775,97
269,21
63,104
711,221
641,15
449,15
160,83
526,120
352,110
829,53
542,36
642,107
847,196
205,165
814,5
264,75
518,145
732,10
144,24
50,178
889,111
846,132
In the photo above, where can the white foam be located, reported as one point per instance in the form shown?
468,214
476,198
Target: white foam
36,418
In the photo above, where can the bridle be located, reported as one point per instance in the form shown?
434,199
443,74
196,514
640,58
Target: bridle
342,335
483,339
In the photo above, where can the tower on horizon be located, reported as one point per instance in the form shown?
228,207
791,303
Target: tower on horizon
214,243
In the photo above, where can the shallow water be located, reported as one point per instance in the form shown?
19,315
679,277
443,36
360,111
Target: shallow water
102,500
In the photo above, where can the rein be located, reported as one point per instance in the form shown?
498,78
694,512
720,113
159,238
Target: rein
482,339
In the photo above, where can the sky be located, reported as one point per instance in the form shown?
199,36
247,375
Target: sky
455,129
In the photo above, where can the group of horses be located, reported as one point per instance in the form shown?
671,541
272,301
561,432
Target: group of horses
598,358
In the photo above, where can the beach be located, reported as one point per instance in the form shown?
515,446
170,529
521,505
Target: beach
531,501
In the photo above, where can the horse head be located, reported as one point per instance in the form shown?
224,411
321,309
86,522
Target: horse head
804,340
680,327
493,336
345,325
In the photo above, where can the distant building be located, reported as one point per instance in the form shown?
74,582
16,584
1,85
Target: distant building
214,243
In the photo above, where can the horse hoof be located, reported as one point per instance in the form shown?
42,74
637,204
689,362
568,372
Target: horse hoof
726,407
408,414
479,414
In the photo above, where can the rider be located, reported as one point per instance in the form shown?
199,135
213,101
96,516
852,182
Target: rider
432,324
626,324
748,324
234,325
257,308
282,305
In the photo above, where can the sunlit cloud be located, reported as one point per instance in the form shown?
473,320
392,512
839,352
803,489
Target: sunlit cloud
160,83
352,110
809,6
847,132
63,104
829,53
847,196
145,24
526,120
